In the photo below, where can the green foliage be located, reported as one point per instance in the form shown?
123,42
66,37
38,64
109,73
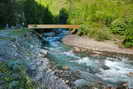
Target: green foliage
96,31
36,13
103,18
1,28
118,26
128,41
124,28
7,12
102,11
63,16
24,11
14,76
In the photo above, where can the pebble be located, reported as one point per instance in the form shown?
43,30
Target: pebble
125,84
78,71
76,50
66,81
66,68
43,52
83,50
130,74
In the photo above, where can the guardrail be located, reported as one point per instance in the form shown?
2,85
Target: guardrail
50,26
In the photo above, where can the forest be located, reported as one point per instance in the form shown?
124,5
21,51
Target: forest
99,19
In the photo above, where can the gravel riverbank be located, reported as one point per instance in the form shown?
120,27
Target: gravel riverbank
90,44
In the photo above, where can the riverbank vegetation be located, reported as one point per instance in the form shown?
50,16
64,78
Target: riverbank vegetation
99,19
105,19
14,75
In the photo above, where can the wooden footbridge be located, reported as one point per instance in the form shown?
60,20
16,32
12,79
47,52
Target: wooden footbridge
52,26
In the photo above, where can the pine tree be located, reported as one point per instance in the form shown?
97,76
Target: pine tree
7,12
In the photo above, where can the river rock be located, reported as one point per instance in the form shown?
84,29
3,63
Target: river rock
76,50
43,52
66,68
125,84
80,83
83,50
78,71
67,81
105,67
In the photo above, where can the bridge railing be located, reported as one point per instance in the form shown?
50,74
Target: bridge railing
52,26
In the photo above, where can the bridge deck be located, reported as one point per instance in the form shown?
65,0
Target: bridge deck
48,26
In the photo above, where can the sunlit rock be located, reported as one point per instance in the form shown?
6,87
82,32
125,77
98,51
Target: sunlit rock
66,68
67,81
43,52
76,50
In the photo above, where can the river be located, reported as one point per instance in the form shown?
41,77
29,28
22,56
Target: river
110,71
60,63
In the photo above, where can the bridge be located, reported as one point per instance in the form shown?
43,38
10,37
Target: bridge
52,26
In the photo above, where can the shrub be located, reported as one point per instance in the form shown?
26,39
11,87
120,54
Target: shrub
124,27
96,31
128,41
14,76
119,26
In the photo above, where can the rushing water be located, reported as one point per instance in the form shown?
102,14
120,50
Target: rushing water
26,47
108,70
23,48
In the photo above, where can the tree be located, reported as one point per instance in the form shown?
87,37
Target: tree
36,13
63,16
7,12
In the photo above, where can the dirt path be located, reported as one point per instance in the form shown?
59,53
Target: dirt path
87,43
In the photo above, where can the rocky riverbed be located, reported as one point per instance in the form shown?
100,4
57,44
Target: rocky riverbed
49,64
91,44
74,80
81,68
25,48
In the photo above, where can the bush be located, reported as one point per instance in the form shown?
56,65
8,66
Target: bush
124,27
128,41
119,26
96,31
14,76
